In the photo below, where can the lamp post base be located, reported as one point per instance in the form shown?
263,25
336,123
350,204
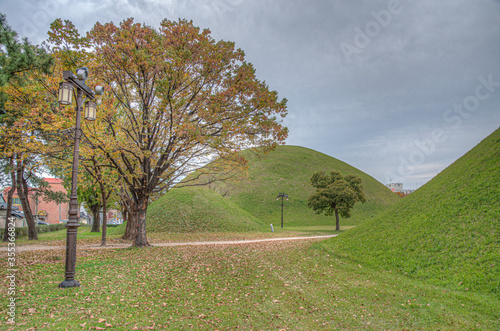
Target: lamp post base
70,283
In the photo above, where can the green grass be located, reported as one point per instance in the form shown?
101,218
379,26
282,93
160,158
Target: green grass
114,234
291,286
195,209
429,263
288,169
447,232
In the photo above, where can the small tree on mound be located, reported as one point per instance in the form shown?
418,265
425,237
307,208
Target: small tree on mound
335,194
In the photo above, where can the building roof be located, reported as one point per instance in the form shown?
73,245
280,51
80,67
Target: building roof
53,180
48,180
7,189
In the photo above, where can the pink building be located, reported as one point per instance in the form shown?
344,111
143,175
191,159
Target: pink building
49,212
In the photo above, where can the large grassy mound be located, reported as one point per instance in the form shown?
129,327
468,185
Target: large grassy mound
288,169
197,209
448,231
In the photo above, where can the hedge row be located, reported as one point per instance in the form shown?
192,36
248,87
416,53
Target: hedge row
23,231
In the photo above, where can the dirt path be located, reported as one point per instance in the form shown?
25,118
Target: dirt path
25,248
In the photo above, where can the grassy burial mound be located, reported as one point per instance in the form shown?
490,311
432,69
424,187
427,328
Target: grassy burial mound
448,231
288,169
197,209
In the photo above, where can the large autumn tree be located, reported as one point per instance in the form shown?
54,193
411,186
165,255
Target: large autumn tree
23,68
180,100
335,194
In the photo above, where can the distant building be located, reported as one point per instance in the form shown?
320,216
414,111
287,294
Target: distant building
398,188
46,211
395,187
407,191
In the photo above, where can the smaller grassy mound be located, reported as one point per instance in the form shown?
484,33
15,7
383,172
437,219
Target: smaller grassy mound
197,209
288,169
448,231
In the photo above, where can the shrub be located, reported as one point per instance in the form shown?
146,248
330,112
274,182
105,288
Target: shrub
23,231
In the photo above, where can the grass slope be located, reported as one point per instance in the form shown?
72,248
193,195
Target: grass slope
266,286
197,209
447,232
288,169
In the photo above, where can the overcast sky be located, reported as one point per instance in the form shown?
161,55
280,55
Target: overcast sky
398,89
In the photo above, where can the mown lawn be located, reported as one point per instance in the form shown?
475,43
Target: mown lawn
446,233
114,234
265,286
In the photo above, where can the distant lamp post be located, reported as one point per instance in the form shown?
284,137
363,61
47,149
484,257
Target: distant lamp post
282,196
77,82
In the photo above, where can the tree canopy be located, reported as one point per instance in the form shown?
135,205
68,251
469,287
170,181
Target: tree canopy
335,194
176,99
23,70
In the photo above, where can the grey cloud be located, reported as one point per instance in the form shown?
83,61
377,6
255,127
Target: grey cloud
368,111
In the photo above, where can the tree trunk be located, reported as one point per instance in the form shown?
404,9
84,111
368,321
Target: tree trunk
104,213
140,239
124,214
10,194
94,209
104,219
130,228
22,191
337,226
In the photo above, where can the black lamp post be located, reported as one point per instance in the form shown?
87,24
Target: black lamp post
65,98
282,196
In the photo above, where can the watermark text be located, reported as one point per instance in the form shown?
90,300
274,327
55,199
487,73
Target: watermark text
11,270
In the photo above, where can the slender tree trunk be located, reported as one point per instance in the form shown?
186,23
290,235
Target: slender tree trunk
22,191
104,216
123,210
337,226
10,194
94,209
104,201
140,239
